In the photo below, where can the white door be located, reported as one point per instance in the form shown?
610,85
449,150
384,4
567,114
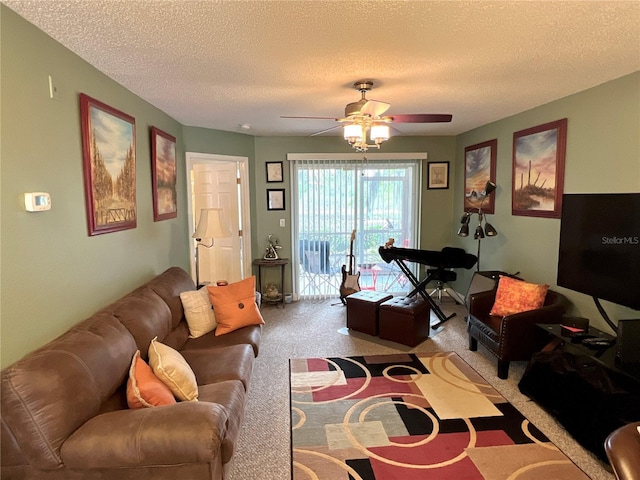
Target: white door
215,181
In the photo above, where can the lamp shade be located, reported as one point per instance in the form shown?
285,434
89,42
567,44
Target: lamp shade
379,133
489,188
489,230
212,224
353,132
463,231
479,233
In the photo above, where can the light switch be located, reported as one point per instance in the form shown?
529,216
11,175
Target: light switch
282,224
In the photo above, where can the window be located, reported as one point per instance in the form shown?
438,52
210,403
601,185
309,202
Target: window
377,195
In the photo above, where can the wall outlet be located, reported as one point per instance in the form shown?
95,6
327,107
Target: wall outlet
282,223
53,89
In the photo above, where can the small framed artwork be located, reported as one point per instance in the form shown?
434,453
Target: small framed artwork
538,170
479,168
274,172
163,167
275,199
437,175
109,161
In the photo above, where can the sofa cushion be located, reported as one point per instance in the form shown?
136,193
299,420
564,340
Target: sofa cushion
198,312
250,335
173,370
168,286
235,305
516,296
144,388
220,364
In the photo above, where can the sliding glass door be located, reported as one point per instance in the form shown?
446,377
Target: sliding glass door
378,196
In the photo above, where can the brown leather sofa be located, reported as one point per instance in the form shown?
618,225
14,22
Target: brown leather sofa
623,451
512,337
64,411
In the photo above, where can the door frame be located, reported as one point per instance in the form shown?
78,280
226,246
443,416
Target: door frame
192,158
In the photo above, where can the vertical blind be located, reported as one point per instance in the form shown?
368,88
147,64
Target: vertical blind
376,195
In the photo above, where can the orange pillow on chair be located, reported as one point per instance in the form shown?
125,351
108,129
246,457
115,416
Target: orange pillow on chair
235,305
516,296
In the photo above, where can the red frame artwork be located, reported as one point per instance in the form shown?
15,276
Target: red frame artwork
479,167
538,170
163,169
109,161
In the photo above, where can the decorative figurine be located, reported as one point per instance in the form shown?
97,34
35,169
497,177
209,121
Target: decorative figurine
272,291
272,249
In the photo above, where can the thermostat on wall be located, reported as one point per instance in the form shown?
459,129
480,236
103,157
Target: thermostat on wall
37,201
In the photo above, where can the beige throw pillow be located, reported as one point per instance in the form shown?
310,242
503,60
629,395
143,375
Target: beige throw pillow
174,371
198,312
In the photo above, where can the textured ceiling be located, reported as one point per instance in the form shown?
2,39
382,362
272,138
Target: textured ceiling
219,64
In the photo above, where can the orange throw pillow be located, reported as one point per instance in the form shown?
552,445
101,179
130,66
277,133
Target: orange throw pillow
516,296
144,389
235,305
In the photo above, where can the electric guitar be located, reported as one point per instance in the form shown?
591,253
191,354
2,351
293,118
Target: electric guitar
350,279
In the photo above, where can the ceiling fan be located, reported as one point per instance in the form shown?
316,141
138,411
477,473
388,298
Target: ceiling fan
367,116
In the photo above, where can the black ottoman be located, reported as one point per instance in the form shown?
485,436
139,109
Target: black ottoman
362,310
405,320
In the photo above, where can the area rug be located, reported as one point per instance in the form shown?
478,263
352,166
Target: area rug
411,417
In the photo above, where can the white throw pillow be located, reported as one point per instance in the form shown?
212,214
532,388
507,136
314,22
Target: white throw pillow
198,312
171,367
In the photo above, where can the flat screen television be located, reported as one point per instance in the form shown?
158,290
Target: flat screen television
599,249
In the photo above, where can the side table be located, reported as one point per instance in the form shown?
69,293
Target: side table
278,262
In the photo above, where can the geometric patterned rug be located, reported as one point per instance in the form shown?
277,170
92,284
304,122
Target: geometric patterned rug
411,417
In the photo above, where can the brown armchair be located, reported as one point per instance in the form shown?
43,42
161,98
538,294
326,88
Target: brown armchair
513,337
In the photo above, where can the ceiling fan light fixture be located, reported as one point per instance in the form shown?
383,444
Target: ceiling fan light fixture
353,133
379,133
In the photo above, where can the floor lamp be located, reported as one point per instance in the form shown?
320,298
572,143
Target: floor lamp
212,225
480,232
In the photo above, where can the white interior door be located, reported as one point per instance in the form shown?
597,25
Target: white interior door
215,182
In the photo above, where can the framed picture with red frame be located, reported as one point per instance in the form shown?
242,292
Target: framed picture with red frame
479,168
109,161
538,170
163,167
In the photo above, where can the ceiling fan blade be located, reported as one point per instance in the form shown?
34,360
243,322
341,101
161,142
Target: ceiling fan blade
374,108
325,130
312,118
420,118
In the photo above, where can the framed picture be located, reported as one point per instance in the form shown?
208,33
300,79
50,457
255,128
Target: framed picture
437,175
479,168
274,172
109,159
163,168
275,199
538,170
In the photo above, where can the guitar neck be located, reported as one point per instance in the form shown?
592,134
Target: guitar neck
352,259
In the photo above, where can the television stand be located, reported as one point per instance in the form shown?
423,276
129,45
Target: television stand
584,388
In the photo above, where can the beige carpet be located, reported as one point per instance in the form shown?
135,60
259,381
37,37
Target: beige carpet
308,329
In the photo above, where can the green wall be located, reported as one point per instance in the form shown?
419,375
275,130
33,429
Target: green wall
52,274
603,155
437,204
